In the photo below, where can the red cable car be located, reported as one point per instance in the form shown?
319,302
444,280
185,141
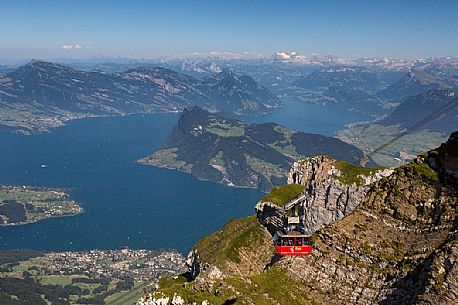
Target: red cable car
293,243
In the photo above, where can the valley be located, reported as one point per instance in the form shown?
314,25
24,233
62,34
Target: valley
366,137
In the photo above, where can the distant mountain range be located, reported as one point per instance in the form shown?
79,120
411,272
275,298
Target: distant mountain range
416,108
418,81
348,87
43,94
429,118
215,148
389,64
372,90
358,78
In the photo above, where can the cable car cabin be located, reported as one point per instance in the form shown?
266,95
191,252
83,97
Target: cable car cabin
293,243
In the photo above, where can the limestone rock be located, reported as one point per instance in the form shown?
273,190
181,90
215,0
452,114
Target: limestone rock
326,199
312,169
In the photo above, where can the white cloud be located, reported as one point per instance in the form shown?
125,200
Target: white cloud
74,46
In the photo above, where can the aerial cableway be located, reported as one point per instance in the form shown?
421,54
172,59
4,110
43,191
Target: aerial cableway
298,242
426,120
293,242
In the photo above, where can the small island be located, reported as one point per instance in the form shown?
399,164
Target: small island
26,204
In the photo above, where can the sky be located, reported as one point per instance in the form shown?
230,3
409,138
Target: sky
148,29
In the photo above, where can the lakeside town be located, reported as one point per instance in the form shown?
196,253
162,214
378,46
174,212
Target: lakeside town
21,204
87,277
140,265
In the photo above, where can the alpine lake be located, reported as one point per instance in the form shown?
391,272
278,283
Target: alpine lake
127,204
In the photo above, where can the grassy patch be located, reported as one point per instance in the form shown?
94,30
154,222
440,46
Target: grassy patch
226,244
60,280
224,128
271,287
267,169
218,159
254,235
128,297
167,158
282,195
351,173
278,285
427,173
285,131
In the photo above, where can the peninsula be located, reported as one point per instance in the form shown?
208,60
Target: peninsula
212,147
26,204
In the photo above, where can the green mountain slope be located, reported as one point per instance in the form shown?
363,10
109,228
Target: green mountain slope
214,148
43,94
417,107
416,82
438,109
399,246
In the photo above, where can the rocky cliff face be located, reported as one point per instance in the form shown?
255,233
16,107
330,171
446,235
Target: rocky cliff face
398,246
332,190
445,159
312,169
439,275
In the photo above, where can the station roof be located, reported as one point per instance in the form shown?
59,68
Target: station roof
293,234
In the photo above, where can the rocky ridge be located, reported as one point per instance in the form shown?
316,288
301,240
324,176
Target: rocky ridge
398,246
327,196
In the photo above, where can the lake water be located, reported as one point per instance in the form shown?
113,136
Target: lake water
128,204
300,116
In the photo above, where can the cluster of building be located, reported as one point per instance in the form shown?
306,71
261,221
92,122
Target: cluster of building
34,203
140,265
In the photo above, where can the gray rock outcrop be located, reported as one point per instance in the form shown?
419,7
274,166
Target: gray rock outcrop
325,199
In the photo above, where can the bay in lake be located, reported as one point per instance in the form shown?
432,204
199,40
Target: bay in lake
128,204
313,118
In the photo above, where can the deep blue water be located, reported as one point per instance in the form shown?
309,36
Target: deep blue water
300,116
128,204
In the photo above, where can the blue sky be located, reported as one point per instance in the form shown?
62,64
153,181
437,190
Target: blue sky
148,29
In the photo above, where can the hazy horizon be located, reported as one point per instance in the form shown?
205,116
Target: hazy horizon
145,29
179,58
